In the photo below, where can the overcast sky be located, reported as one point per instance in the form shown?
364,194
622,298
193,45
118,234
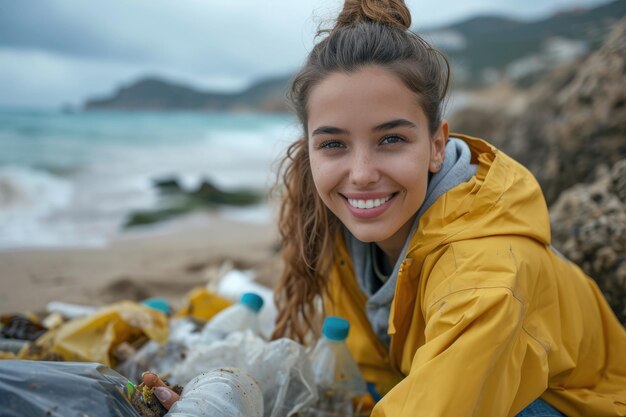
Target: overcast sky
55,52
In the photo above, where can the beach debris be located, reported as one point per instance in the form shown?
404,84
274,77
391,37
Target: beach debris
69,310
53,320
12,347
17,326
234,283
159,304
202,304
222,392
160,358
281,366
35,388
341,387
184,336
150,335
244,315
95,337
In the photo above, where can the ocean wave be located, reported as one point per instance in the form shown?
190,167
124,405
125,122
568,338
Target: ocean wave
32,191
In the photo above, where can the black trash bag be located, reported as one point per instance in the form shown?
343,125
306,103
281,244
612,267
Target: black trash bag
62,389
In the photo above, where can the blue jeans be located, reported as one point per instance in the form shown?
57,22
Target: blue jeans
539,408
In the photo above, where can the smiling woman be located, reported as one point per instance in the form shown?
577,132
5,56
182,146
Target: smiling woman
435,246
371,154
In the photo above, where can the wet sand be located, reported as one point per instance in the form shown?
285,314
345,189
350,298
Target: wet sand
166,262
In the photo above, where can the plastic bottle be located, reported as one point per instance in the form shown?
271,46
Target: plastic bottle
337,376
238,317
220,393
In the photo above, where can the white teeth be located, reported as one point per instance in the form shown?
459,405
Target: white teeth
368,204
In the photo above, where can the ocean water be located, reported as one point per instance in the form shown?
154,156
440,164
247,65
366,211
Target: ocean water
70,179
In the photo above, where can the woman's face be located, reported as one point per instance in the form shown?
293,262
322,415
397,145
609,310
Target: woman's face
371,152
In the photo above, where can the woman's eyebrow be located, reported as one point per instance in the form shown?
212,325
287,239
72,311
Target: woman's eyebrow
328,130
392,124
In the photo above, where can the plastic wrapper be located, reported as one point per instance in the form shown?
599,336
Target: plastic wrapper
20,327
202,304
68,389
281,367
93,338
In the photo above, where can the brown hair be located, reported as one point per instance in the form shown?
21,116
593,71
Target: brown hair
366,33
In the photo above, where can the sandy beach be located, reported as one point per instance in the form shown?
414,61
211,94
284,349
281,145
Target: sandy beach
166,261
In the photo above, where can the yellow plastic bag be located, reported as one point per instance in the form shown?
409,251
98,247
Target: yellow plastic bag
203,304
94,337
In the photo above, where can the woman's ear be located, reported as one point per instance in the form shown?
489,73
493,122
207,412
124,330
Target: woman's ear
438,147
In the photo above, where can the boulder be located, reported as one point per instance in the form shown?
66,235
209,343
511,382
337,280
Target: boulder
589,228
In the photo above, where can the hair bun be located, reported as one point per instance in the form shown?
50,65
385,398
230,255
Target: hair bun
390,12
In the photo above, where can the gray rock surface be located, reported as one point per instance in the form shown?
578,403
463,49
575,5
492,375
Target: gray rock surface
574,120
589,228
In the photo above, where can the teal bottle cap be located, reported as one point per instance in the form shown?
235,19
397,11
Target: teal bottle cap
157,303
335,328
252,301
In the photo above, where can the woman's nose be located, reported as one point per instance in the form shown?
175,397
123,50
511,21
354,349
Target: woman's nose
363,170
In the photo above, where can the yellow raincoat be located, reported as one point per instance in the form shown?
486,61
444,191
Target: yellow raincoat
486,317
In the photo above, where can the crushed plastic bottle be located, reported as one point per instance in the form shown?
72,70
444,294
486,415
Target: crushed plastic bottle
337,376
238,317
225,392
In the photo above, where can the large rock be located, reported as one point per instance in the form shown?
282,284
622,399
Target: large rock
574,119
589,227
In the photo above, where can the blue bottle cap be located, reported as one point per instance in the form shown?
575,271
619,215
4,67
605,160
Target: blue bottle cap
335,328
252,301
157,303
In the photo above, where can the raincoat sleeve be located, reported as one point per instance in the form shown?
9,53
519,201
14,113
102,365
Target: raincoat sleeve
470,364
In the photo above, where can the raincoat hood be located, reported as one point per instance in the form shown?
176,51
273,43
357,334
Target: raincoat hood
501,199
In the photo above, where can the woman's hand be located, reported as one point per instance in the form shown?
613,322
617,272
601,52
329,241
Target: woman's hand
164,394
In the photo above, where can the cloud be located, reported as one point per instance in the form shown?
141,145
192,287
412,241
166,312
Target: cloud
239,37
45,79
66,50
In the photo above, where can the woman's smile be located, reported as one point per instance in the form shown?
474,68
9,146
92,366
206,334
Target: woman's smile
369,208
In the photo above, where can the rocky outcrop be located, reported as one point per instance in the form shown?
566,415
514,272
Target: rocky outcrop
589,227
175,201
574,120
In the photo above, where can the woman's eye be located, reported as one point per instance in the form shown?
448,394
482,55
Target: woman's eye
330,144
391,139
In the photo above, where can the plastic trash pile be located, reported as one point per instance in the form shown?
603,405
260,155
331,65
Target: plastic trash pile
89,361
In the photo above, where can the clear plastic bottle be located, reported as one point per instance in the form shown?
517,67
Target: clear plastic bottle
220,393
337,376
238,317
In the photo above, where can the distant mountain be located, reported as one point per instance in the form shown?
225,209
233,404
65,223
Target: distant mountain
485,48
152,93
482,50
